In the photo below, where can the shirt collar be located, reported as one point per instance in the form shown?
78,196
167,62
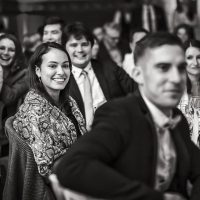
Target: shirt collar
76,71
158,116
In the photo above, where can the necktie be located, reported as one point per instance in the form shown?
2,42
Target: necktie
149,18
88,101
166,160
167,155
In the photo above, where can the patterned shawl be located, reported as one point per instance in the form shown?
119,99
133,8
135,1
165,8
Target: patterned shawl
46,129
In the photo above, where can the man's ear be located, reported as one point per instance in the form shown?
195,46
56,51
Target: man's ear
38,71
138,75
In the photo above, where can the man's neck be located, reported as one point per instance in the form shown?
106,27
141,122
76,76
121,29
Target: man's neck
166,111
81,67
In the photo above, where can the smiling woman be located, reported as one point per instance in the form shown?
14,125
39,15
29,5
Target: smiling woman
49,120
190,102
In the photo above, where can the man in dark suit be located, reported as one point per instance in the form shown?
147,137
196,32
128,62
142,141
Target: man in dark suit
139,147
106,79
112,46
148,16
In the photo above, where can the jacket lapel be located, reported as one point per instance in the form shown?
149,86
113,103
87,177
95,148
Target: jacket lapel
76,94
98,70
152,130
182,154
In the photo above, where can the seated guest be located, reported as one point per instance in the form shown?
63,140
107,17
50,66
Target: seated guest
49,120
13,77
13,86
111,46
52,30
93,81
190,102
30,43
135,36
146,14
185,33
185,12
139,146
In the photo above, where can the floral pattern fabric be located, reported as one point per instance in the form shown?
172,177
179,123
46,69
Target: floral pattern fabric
46,129
190,107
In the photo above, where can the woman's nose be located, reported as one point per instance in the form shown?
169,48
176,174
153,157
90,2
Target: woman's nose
195,61
60,70
79,48
5,51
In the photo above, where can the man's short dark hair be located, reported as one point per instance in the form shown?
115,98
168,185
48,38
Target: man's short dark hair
78,30
155,40
54,20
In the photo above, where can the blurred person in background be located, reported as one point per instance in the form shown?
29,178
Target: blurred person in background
185,13
111,47
30,43
190,102
185,33
128,62
53,30
145,14
13,76
149,16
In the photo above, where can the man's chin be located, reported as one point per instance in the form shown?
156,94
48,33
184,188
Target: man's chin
172,104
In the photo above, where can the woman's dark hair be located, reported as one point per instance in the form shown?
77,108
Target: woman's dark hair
19,59
191,9
196,44
36,61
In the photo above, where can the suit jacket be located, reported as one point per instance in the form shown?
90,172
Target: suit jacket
103,54
136,15
118,158
113,80
23,182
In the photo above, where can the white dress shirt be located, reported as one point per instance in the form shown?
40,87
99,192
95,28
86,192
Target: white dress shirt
97,93
166,162
128,64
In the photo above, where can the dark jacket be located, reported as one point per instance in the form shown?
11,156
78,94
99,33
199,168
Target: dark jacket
118,158
113,80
